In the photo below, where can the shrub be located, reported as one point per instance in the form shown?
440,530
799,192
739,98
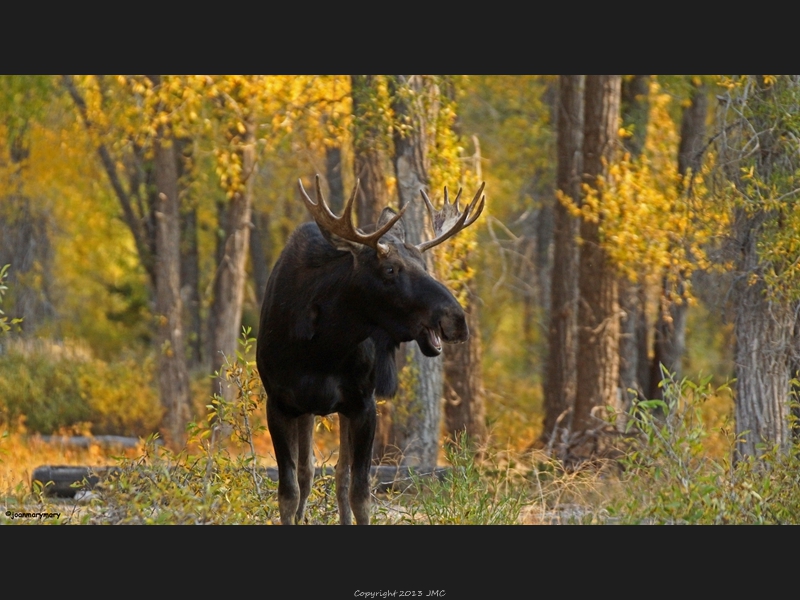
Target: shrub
670,477
55,387
466,495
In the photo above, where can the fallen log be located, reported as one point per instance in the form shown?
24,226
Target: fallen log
65,481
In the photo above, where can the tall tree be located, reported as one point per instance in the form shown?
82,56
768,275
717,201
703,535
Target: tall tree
370,128
633,355
369,147
135,115
417,410
173,375
598,300
670,329
757,141
561,367
464,394
190,263
236,98
25,227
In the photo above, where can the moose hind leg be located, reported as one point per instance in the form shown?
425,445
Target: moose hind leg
283,430
305,464
343,472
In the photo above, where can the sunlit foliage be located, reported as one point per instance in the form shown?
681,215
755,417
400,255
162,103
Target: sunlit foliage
650,220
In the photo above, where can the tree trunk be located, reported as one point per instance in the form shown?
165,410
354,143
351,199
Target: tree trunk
670,330
173,377
333,173
465,406
368,159
260,252
764,338
598,303
635,109
231,275
190,286
25,242
190,262
416,414
758,137
561,368
154,223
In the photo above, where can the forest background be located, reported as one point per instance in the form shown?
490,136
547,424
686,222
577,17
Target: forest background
140,216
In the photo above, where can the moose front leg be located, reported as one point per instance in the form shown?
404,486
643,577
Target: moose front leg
283,430
343,472
361,434
305,466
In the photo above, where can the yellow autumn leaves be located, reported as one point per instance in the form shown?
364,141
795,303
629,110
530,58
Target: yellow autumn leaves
651,221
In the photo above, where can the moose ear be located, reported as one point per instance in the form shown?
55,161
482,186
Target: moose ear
397,230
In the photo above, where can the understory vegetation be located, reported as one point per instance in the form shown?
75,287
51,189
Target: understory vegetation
662,471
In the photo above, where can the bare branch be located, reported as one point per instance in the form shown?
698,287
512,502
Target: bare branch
134,224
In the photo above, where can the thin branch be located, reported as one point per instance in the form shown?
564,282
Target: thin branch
134,224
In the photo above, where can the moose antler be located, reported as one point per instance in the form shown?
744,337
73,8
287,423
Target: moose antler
449,221
343,226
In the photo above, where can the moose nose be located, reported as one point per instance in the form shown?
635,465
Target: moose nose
454,325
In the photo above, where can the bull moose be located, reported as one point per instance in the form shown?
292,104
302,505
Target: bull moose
338,303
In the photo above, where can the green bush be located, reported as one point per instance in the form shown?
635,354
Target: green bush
54,391
670,478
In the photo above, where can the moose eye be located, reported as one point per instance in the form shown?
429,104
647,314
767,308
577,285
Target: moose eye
390,273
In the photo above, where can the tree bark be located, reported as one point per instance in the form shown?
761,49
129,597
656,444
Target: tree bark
190,261
598,303
173,377
333,173
190,286
635,109
561,367
231,274
260,252
368,162
416,415
25,240
368,159
756,138
465,404
764,338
